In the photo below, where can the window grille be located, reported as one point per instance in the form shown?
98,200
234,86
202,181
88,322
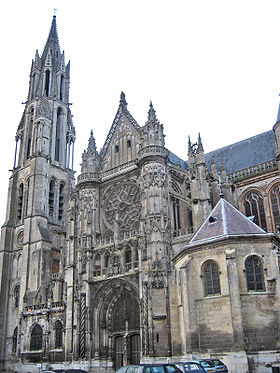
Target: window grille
58,334
211,278
254,274
254,206
16,295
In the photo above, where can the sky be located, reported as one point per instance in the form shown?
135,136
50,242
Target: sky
209,66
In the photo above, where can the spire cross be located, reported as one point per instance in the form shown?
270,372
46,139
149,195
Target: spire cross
54,11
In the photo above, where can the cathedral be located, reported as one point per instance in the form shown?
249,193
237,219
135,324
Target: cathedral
145,257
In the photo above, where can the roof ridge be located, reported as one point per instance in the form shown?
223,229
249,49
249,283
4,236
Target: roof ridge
238,142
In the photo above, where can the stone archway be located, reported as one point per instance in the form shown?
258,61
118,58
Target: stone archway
116,322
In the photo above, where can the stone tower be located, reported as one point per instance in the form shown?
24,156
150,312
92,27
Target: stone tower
33,234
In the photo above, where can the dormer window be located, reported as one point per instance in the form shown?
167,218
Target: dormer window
212,219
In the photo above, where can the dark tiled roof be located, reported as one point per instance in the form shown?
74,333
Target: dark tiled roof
244,154
177,161
225,221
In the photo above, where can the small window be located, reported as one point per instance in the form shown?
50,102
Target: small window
61,201
211,278
58,334
36,341
129,143
15,338
51,198
254,274
20,202
117,148
16,295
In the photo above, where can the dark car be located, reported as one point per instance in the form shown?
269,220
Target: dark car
150,368
190,366
204,365
77,370
219,365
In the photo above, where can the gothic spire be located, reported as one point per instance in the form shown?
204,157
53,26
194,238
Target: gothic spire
152,113
51,53
53,37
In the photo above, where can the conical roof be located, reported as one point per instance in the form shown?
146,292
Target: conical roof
225,221
52,41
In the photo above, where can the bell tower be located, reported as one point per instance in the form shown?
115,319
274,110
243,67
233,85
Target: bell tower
42,177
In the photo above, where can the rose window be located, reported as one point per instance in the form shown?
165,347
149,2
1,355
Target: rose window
122,207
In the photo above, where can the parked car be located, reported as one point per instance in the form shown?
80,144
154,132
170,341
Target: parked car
150,368
190,367
219,365
202,365
65,371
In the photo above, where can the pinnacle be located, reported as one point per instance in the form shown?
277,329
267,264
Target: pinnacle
199,143
123,102
91,142
151,113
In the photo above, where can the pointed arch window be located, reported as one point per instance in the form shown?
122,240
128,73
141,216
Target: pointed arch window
128,259
61,201
58,334
61,91
15,338
97,265
36,341
254,273
106,261
47,82
275,206
17,295
20,202
176,216
254,206
30,133
51,198
211,278
59,120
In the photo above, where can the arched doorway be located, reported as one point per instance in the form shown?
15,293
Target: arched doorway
116,323
125,326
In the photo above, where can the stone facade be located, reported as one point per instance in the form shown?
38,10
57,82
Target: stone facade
111,270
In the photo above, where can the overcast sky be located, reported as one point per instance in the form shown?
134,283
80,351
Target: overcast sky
208,66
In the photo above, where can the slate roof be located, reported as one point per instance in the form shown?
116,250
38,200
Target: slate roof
173,158
240,155
225,221
244,154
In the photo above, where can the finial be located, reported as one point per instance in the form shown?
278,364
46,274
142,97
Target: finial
189,145
54,12
199,143
152,113
123,102
221,194
91,143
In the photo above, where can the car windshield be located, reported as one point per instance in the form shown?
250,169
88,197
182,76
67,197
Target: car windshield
207,364
217,362
172,369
